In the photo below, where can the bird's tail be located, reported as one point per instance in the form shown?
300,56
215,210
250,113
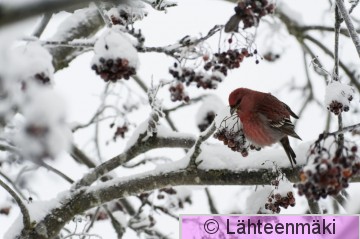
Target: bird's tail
289,151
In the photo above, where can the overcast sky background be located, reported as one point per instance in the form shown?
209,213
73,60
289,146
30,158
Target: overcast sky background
81,89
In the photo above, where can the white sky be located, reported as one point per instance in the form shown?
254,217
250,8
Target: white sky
81,88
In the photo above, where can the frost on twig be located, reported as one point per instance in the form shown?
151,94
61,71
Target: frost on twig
161,5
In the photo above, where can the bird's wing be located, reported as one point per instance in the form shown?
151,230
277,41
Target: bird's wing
277,113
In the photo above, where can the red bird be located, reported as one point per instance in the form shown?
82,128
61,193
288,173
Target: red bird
265,119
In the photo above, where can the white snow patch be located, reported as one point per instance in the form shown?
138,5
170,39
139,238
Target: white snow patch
256,201
29,60
221,157
211,103
115,44
121,218
336,91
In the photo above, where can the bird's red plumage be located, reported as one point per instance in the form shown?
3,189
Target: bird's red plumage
265,119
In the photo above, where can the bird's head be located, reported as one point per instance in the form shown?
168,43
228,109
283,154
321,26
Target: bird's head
235,99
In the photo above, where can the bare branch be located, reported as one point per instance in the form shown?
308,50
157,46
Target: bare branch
350,26
23,209
42,25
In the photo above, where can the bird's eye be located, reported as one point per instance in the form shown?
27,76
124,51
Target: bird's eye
238,102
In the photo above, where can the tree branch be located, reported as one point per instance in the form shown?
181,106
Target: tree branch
349,25
135,150
14,13
20,203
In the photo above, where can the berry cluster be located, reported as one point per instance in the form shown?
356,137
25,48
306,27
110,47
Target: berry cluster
120,131
250,11
337,107
275,201
328,174
187,75
206,122
177,92
113,69
235,140
229,59
121,18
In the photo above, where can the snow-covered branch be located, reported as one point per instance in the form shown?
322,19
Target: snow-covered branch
14,13
141,146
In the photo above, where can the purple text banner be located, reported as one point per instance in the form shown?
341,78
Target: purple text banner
269,227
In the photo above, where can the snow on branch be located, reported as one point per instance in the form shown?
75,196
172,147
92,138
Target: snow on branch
164,139
161,5
169,174
11,13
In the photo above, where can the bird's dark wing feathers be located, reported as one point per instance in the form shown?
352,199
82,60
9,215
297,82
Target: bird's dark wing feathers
290,111
284,125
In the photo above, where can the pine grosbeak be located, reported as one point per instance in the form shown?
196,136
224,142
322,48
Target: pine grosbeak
265,119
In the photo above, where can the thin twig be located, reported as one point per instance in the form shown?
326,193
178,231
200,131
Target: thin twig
119,229
213,209
23,209
101,9
54,170
336,68
347,71
13,185
196,148
344,130
42,25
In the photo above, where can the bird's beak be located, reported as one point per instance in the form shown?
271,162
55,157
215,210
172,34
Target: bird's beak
232,110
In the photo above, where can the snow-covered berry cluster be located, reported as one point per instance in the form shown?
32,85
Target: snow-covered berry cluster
338,97
328,173
201,79
251,11
235,140
113,69
115,57
44,133
177,92
280,198
230,132
40,72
